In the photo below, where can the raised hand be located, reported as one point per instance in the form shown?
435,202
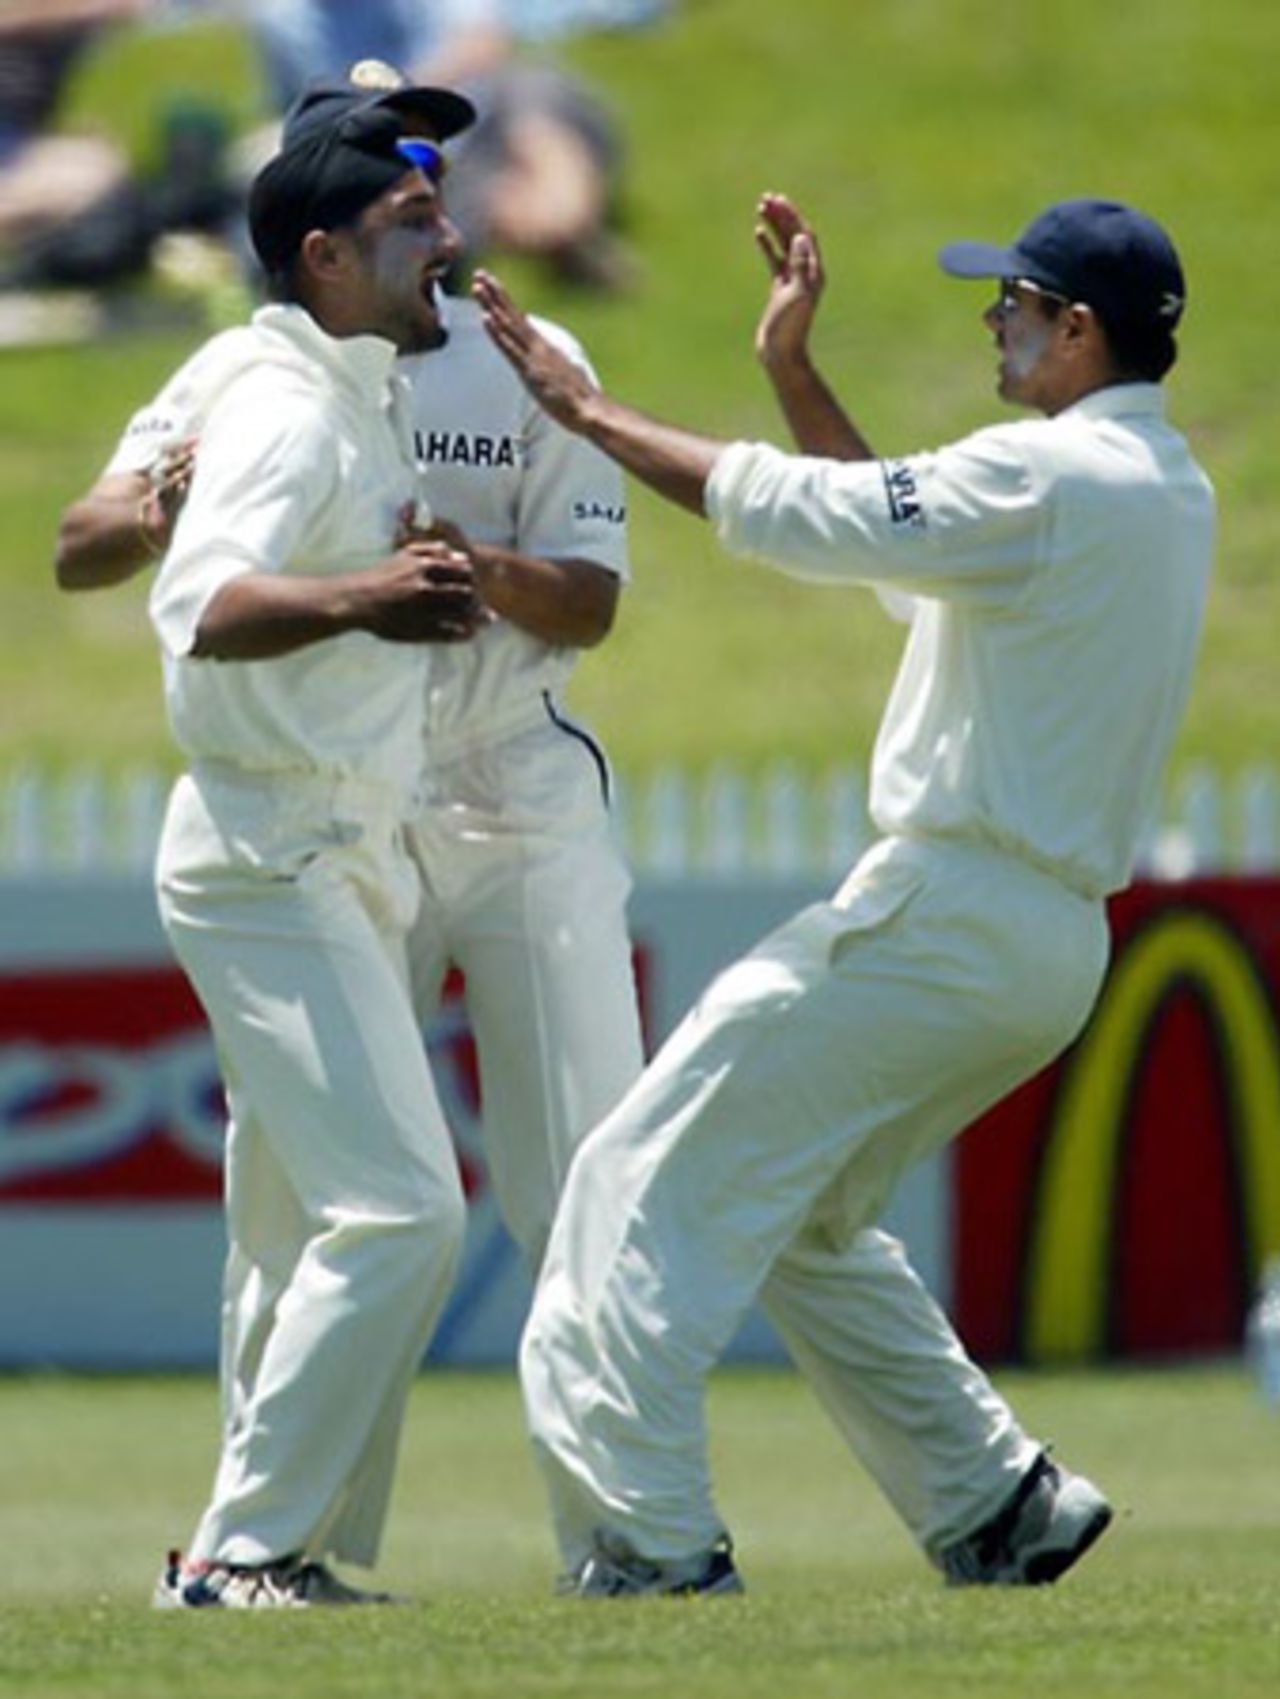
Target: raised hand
558,386
671,460
791,252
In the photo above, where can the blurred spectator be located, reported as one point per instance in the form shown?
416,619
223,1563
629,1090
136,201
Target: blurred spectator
532,19
47,179
71,210
539,173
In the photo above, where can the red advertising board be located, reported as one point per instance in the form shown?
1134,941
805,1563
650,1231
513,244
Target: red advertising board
109,1089
1122,1203
111,1127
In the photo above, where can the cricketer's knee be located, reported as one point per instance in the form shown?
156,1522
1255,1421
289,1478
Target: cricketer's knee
409,1247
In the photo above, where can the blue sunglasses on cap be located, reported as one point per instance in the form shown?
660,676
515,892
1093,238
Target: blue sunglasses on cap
428,157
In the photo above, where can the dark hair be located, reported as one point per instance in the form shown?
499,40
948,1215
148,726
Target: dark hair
1141,351
284,281
281,282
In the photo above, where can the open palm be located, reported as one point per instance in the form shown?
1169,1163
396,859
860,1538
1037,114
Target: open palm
790,249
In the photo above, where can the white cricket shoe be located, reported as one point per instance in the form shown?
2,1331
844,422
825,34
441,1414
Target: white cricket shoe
287,1585
1051,1519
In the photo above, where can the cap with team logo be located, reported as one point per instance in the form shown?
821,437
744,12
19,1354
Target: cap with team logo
1109,256
345,144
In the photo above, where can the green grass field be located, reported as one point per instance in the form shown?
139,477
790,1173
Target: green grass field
898,123
98,1475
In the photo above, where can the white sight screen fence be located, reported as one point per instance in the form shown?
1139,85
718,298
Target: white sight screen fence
782,821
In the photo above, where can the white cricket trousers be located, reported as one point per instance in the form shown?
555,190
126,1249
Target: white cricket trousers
751,1160
524,890
286,900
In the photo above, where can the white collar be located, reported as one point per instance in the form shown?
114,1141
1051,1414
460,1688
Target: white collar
363,363
1118,400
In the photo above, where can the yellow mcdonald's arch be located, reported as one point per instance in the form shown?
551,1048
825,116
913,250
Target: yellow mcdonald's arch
1065,1298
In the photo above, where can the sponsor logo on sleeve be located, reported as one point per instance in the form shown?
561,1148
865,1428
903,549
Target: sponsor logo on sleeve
601,512
149,426
902,493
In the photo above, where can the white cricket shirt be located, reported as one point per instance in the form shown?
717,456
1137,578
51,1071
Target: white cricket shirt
305,460
491,461
1060,568
499,468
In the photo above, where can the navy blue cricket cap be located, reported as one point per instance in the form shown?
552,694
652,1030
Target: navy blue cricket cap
340,151
1112,257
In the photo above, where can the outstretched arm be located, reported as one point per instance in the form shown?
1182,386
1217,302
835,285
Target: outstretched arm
817,422
674,462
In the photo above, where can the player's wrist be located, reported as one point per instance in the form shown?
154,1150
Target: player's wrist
592,413
787,363
152,535
352,602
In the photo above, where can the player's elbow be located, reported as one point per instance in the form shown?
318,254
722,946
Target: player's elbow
72,562
593,626
80,559
591,609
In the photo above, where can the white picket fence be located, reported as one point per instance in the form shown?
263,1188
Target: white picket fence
721,822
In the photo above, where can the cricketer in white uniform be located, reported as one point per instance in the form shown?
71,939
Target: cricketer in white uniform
523,886
519,880
298,643
1057,570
